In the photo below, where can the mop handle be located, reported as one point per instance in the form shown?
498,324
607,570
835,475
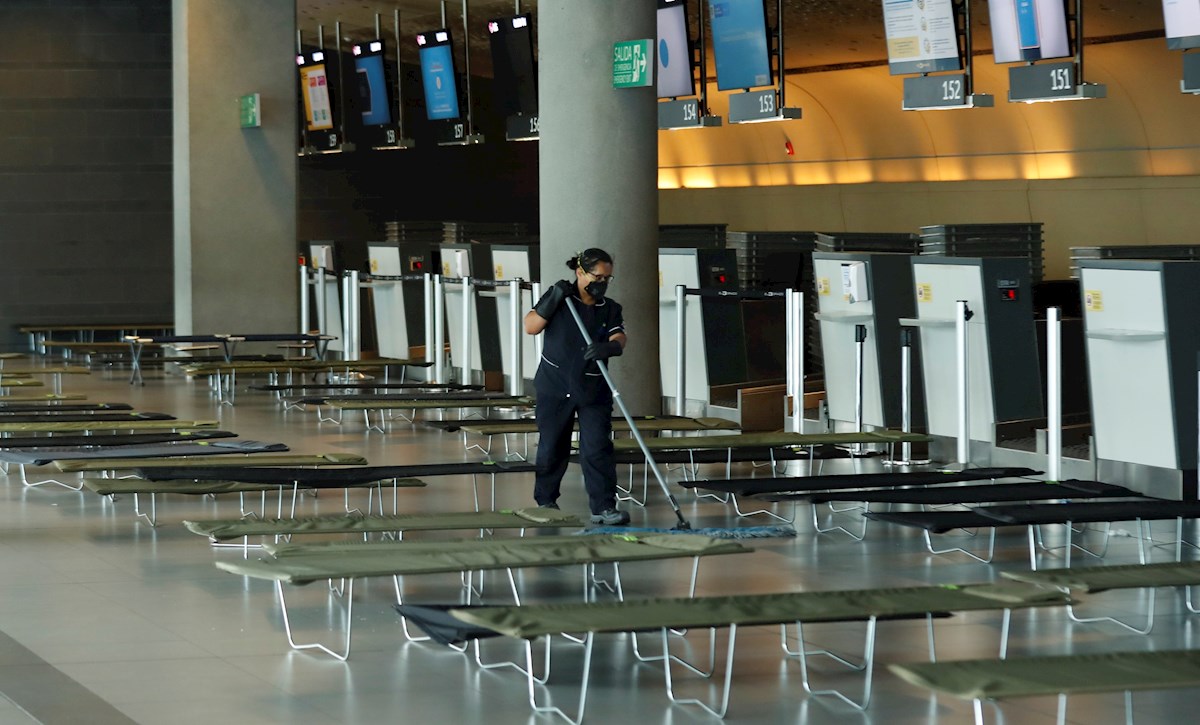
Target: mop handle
637,435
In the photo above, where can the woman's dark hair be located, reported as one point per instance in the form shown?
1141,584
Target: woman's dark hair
589,258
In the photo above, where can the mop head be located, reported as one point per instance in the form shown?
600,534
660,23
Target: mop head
744,532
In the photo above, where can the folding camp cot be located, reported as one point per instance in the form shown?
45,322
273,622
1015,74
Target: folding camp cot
248,459
40,398
51,406
1063,675
110,440
108,466
82,417
1034,516
531,622
219,530
335,477
227,344
306,388
45,455
770,441
645,425
1096,579
99,425
378,405
223,376
56,374
113,487
776,489
295,564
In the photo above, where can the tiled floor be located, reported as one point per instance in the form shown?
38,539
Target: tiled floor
104,619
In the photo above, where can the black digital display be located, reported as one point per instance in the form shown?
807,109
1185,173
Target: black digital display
513,64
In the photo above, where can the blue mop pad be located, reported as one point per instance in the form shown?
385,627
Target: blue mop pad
744,532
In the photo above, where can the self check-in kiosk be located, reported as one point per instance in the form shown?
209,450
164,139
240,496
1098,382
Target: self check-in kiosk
513,262
715,339
1003,369
388,300
861,299
1142,333
326,298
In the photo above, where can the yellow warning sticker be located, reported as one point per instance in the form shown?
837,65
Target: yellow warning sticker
823,286
374,266
660,280
445,269
499,271
1093,301
924,292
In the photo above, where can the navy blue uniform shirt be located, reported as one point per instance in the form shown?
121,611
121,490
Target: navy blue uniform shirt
563,369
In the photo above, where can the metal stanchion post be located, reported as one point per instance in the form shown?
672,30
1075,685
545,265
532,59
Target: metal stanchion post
516,384
355,305
347,320
798,360
304,328
962,343
319,291
427,285
467,290
439,330
680,357
1054,393
860,344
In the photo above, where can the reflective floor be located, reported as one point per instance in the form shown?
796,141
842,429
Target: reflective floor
104,619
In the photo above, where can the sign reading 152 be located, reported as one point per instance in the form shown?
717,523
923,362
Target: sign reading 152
952,89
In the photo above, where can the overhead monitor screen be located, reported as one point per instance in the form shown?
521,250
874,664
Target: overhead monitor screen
437,74
675,77
314,89
1025,30
372,83
739,31
1183,23
922,36
513,66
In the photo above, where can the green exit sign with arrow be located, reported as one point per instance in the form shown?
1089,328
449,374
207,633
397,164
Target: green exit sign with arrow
633,64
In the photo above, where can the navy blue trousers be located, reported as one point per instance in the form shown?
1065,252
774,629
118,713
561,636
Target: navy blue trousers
556,412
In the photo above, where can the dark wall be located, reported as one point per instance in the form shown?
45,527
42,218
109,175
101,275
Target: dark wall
85,162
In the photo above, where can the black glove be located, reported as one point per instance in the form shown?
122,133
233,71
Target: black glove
553,298
602,350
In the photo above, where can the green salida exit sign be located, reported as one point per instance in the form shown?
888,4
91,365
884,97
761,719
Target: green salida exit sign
633,64
249,109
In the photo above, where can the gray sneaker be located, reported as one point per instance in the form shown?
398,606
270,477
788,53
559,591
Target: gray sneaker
548,506
611,517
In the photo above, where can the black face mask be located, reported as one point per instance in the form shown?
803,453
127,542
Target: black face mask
597,289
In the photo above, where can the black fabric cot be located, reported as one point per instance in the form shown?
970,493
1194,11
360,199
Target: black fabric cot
466,395
453,426
7,409
330,477
792,484
116,439
987,493
48,454
735,455
1041,513
83,417
365,386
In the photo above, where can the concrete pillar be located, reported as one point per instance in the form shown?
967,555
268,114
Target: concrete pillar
235,188
598,170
